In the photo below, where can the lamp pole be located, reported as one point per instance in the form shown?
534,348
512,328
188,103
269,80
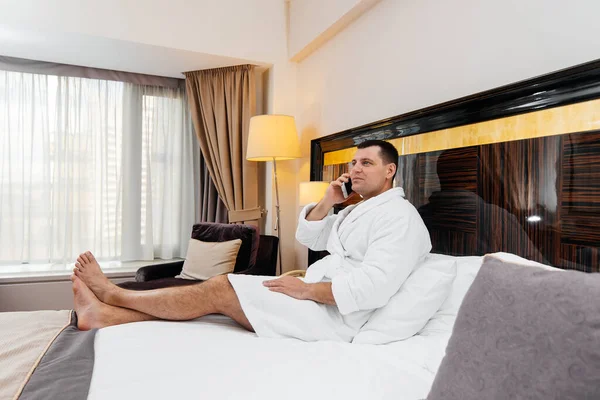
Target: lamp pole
278,226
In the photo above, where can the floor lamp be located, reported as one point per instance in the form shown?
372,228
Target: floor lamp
273,138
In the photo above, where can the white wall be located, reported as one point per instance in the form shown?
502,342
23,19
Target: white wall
313,22
405,55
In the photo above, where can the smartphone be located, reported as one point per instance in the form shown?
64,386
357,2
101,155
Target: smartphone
347,188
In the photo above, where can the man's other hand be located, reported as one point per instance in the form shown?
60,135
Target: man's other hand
290,286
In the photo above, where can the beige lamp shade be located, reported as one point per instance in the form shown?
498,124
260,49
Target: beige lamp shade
312,192
272,136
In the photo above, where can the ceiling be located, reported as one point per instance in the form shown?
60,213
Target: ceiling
102,52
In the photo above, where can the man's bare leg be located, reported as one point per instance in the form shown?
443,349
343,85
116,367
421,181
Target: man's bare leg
215,296
92,313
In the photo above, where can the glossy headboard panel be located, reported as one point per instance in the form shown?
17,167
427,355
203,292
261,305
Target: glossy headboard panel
527,183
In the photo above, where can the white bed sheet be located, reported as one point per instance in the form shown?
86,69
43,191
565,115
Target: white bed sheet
214,358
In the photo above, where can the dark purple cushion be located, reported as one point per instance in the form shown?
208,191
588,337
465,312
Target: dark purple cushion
213,232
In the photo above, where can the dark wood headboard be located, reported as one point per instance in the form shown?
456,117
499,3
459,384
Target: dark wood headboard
514,169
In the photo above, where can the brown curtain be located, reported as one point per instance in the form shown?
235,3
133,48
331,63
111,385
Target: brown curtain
222,101
209,206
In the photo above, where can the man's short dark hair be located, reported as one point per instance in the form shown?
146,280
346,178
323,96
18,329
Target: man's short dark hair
387,151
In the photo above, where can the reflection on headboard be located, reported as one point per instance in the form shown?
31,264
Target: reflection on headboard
516,169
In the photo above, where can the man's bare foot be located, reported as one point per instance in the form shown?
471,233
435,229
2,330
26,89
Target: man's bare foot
88,270
91,313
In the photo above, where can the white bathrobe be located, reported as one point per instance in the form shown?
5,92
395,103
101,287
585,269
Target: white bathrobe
373,245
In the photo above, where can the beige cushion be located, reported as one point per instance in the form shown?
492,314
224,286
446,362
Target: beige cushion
207,259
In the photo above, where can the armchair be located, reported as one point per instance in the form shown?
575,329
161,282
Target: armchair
257,256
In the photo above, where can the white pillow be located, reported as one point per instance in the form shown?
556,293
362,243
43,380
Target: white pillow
515,259
467,268
412,306
207,259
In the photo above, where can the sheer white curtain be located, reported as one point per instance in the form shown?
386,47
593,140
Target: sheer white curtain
96,165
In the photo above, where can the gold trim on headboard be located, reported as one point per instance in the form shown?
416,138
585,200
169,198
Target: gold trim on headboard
579,117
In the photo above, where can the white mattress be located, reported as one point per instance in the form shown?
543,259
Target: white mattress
214,358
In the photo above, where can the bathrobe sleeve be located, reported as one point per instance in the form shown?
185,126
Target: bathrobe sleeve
314,234
395,248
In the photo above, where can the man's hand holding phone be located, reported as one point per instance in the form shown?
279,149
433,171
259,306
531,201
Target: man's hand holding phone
335,192
333,195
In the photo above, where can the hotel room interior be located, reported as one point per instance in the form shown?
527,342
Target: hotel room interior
152,132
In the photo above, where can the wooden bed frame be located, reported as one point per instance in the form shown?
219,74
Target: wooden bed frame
514,169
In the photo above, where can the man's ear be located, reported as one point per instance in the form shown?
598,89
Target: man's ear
391,170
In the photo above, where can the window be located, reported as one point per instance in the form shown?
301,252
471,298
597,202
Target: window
89,164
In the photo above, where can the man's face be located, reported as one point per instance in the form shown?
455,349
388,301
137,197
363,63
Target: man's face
369,173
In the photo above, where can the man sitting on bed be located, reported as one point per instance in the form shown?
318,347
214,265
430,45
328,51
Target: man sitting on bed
373,245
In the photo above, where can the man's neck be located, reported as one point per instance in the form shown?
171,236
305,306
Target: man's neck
370,196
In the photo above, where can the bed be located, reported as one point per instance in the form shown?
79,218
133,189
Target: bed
213,357
510,170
